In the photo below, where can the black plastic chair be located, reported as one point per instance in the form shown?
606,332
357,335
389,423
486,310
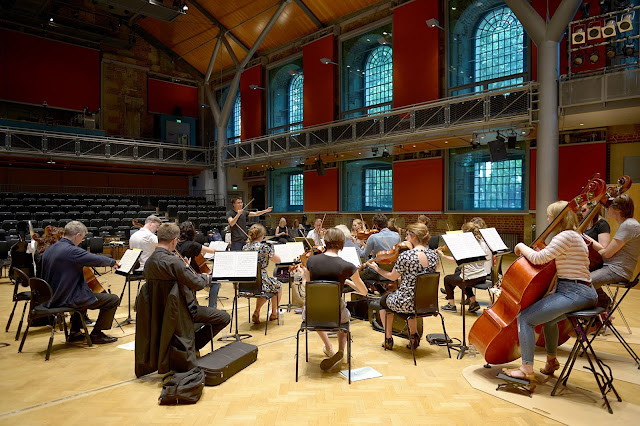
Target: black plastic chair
253,289
4,256
20,279
494,281
322,314
425,304
41,293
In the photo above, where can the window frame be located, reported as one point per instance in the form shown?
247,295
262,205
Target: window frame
290,176
387,191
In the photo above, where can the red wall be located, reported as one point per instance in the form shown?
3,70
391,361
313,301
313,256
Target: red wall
34,70
416,53
321,192
163,97
423,196
319,81
252,103
576,163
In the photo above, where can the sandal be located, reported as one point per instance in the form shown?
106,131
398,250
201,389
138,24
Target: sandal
388,344
255,318
414,341
550,367
520,374
273,317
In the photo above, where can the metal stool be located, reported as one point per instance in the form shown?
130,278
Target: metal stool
581,321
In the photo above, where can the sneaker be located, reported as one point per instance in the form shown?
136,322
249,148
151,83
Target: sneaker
449,308
328,363
100,338
474,307
328,352
88,321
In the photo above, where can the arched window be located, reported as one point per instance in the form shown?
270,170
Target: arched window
499,47
296,102
234,128
378,79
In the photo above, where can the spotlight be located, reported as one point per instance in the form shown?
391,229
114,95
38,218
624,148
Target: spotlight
271,168
385,153
609,29
327,61
625,23
374,151
255,87
511,141
578,60
611,51
578,36
585,9
433,23
594,57
319,165
185,7
594,32
51,19
628,50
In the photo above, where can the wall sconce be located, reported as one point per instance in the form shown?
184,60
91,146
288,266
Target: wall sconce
327,61
294,72
255,87
383,41
433,23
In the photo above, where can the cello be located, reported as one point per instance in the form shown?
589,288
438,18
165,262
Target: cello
495,332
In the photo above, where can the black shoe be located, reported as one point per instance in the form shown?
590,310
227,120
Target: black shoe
76,336
474,307
88,321
449,308
443,291
100,338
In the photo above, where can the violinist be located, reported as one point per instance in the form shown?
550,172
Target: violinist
145,239
474,273
297,230
573,292
483,225
358,226
282,232
189,248
317,233
410,263
385,239
266,252
423,219
62,268
329,267
237,218
348,242
621,255
599,229
393,226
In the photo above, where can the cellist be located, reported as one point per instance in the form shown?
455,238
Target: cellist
573,292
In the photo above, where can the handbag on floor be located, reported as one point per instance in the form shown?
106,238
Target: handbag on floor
182,388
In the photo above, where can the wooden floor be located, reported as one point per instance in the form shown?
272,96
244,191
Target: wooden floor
97,385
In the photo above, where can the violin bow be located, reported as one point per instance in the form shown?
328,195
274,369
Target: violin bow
247,205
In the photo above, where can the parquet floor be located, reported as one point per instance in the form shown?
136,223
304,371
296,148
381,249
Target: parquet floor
98,386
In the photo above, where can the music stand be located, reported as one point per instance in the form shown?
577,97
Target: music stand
288,252
128,263
235,266
464,248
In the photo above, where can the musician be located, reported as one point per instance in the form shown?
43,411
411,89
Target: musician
357,226
317,233
62,265
282,231
423,219
348,242
599,229
410,263
145,239
328,266
297,230
487,265
189,248
164,266
237,218
621,254
573,292
474,273
383,240
393,226
269,284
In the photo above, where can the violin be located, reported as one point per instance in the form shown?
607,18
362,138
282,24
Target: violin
388,257
495,332
365,234
137,224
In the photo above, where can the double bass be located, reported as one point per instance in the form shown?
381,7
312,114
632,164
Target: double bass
495,332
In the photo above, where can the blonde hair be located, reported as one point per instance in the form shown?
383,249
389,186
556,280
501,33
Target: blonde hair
478,221
255,232
570,219
280,221
344,230
334,238
472,227
421,232
424,219
359,222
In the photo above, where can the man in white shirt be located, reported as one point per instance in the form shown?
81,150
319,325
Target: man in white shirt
317,232
145,239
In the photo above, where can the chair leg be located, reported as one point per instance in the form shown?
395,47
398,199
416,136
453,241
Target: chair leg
24,336
11,316
86,331
266,325
24,309
306,343
444,330
413,350
297,351
233,308
349,353
53,330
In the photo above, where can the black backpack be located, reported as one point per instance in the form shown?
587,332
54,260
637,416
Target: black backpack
182,388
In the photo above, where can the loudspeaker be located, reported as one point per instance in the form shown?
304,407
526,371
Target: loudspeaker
511,142
319,167
497,150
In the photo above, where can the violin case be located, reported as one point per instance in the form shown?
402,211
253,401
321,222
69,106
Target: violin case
227,361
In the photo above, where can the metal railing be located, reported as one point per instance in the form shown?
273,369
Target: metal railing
493,108
606,86
57,145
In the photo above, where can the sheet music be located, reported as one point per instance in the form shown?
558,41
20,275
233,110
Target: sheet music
235,265
350,255
464,247
289,252
217,246
128,260
493,240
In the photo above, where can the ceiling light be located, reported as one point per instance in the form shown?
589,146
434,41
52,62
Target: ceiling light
611,51
582,124
628,50
578,60
255,87
609,29
594,57
185,7
51,19
383,41
578,36
594,32
385,153
433,23
327,61
295,72
625,23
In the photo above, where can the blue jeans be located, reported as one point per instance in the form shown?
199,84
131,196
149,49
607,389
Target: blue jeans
213,295
569,296
236,246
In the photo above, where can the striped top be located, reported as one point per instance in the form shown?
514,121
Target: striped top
570,253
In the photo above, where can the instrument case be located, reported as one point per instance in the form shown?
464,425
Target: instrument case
226,361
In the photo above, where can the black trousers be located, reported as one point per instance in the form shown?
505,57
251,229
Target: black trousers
216,318
455,280
108,304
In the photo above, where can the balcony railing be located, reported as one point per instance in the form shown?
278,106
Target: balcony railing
601,88
495,108
60,145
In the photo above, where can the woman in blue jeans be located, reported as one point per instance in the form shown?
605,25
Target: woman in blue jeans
573,292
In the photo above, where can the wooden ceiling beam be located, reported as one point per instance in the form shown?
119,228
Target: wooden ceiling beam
218,24
309,13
